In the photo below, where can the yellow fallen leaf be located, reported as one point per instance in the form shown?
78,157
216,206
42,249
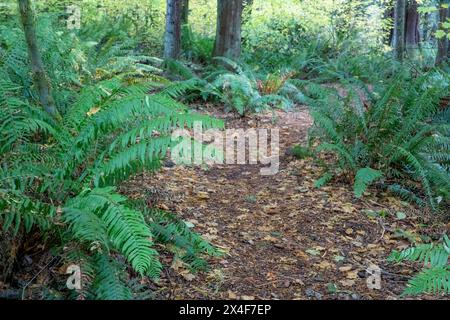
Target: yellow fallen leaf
203,195
345,268
324,265
348,208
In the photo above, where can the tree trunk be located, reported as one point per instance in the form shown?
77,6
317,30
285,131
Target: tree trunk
426,27
228,34
399,29
172,36
40,78
412,26
184,11
443,44
448,46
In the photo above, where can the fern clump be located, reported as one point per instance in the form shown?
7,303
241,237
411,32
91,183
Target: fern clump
240,89
435,276
233,85
393,132
61,176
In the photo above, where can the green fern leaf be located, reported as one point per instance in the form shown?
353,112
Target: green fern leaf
364,177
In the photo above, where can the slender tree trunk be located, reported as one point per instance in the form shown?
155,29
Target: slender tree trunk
40,78
412,32
443,44
448,47
172,36
228,34
426,27
399,29
184,11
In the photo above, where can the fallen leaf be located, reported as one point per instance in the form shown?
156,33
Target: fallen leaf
324,265
188,276
203,195
352,275
339,258
347,283
313,252
349,231
345,268
400,215
232,295
348,208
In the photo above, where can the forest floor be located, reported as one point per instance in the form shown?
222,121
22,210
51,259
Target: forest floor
282,238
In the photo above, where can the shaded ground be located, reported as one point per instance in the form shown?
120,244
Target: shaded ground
283,238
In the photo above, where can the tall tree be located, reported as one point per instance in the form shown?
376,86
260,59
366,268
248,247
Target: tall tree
228,33
172,36
443,44
412,36
399,28
40,78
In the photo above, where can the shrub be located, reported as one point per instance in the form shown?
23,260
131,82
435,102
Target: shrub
197,47
60,176
395,132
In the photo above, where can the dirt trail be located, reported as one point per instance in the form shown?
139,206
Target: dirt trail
284,239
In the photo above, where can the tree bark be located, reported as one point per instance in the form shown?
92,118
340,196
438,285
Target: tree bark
399,29
443,53
228,34
412,26
172,36
40,78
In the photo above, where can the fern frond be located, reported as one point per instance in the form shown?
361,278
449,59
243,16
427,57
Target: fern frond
109,282
125,227
364,177
433,281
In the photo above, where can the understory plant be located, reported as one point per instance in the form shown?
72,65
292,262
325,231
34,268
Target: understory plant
237,87
435,275
395,133
60,177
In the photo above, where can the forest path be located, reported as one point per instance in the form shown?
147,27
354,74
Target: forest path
283,238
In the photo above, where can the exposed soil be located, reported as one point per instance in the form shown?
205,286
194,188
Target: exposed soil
283,238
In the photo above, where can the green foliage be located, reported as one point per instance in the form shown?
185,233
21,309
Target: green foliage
300,152
435,276
109,283
185,244
274,41
240,89
197,47
363,178
236,86
118,116
393,129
